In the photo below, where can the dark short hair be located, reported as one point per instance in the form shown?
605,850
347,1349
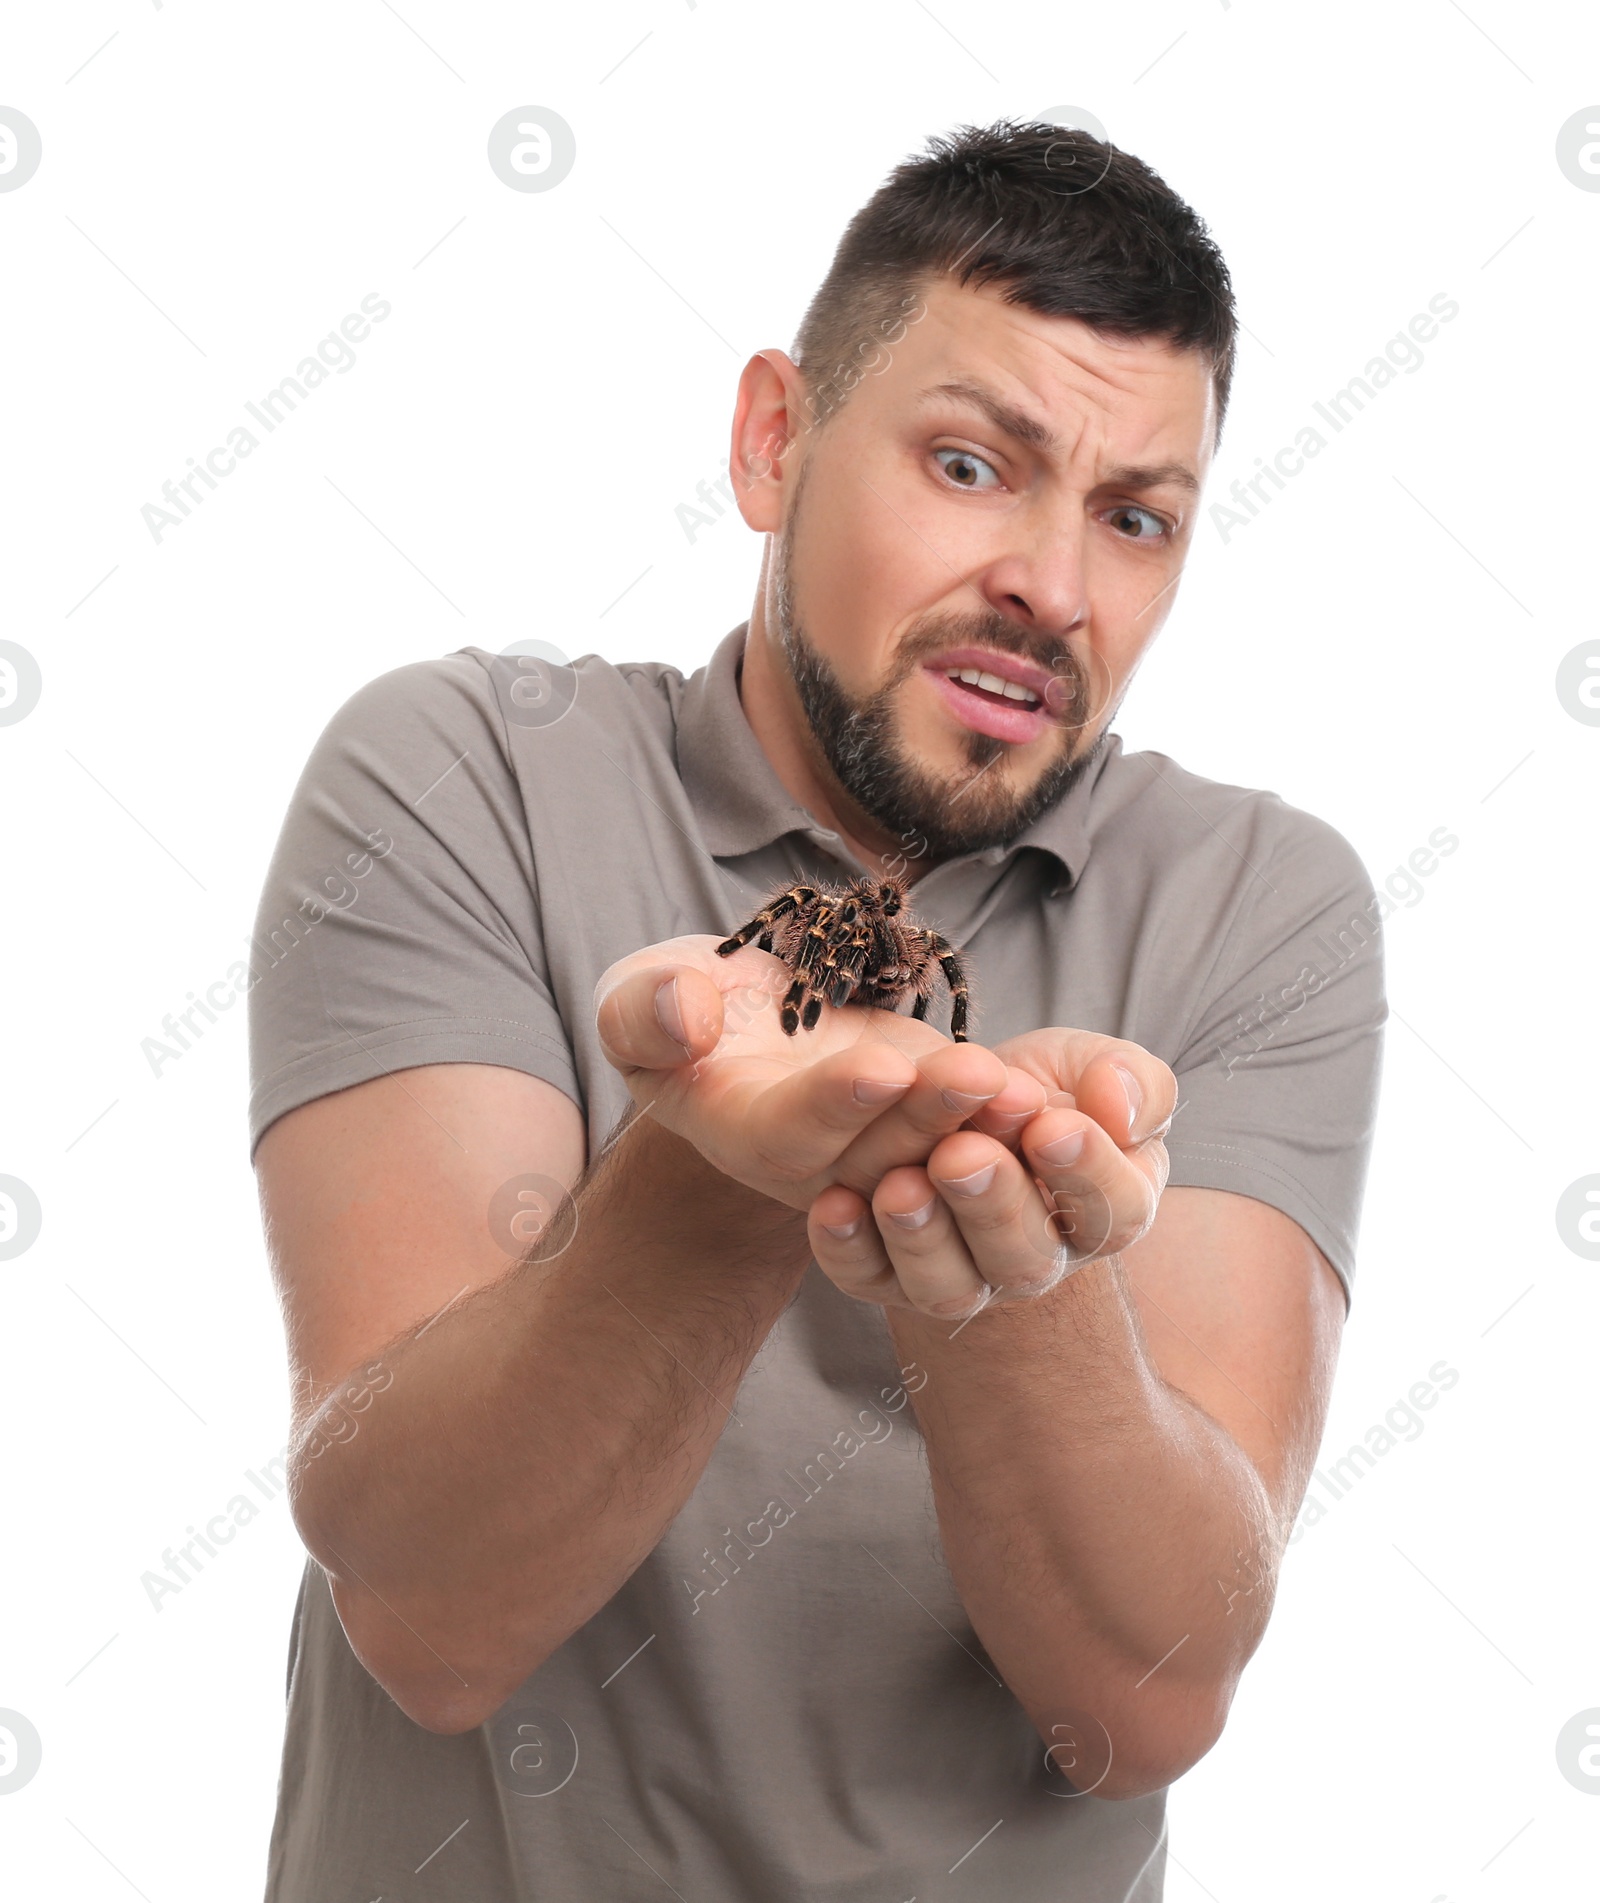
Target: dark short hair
1066,223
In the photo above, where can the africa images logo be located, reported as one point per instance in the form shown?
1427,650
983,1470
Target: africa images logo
20,148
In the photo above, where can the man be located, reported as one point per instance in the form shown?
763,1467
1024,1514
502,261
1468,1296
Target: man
853,1465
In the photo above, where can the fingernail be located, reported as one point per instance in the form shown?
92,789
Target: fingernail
1135,1095
964,1101
973,1185
870,1090
912,1218
668,1013
1064,1151
842,1231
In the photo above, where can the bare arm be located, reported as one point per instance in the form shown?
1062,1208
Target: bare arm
519,1456
1117,1467
1116,1452
523,1435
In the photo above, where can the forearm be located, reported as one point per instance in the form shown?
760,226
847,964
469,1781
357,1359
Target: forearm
534,1443
1114,1547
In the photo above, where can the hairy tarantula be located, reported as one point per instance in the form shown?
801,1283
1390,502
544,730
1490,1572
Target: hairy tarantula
850,944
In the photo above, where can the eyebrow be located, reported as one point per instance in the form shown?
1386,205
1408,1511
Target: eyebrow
1024,428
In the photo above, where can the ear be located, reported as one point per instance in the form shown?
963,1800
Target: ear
769,417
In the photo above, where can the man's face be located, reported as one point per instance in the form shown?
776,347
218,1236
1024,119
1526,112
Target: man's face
1003,492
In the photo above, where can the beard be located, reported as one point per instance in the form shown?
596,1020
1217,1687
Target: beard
860,741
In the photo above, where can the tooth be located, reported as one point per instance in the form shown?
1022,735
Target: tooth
1016,691
994,682
970,675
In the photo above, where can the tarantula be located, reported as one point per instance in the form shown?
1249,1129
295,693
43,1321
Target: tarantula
850,944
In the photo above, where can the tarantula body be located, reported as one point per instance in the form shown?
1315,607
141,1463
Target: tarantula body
854,944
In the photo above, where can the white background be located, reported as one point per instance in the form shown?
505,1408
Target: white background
220,186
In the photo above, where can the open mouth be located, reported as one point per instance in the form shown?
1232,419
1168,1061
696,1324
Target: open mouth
992,687
987,703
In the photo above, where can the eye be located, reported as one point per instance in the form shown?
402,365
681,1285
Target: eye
967,471
1138,525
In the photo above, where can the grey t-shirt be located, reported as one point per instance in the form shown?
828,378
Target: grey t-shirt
787,1698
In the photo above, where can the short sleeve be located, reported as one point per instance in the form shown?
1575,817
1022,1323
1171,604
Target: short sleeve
1278,1078
399,924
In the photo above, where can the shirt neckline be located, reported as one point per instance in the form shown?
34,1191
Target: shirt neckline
742,805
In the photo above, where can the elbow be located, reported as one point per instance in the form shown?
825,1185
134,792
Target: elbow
1152,1769
448,1655
1133,1753
445,1714
446,1697
1159,1753
448,1686
1143,1777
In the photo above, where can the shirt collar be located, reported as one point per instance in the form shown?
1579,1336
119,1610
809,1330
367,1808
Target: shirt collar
742,805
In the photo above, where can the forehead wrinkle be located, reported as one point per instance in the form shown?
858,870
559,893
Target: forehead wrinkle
1011,336
1106,403
1110,392
1097,382
1099,402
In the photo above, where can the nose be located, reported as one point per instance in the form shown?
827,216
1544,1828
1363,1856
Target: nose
1042,585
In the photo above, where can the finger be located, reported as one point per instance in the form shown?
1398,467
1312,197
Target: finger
997,1209
1088,1067
627,1004
925,1248
1103,1198
1129,1093
952,1083
848,1249
1006,1116
1134,1085
799,1126
659,1017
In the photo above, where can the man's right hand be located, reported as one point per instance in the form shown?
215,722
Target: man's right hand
698,1040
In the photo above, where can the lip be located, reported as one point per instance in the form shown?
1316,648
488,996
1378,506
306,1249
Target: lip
1012,722
1010,667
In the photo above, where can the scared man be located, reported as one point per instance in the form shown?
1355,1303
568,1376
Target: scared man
850,1465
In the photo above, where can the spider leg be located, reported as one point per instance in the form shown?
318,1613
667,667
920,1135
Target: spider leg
835,963
812,951
955,976
824,961
808,956
847,987
874,957
848,966
760,926
789,1011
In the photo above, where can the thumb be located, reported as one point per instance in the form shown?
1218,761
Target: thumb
658,1018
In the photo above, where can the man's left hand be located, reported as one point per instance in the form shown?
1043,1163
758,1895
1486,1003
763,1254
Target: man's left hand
1001,1216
